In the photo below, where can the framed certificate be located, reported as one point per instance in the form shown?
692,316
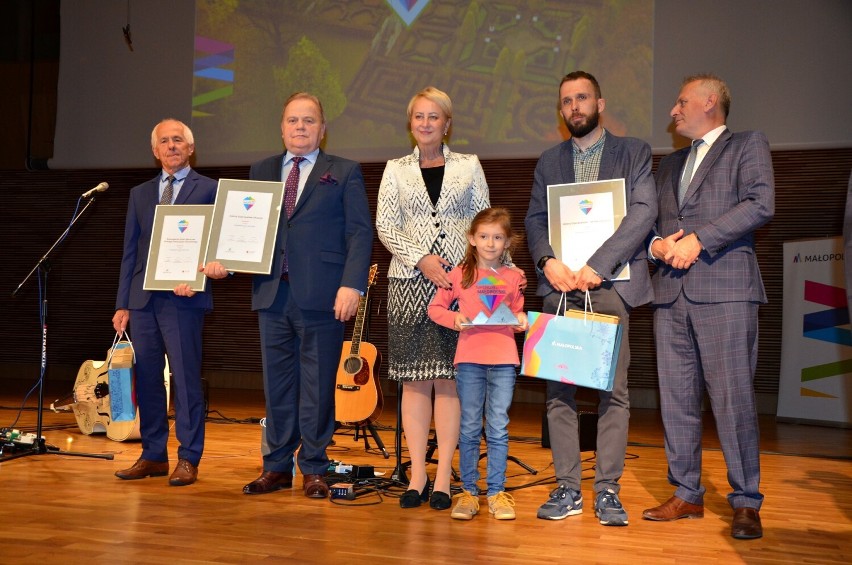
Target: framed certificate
178,243
581,216
245,223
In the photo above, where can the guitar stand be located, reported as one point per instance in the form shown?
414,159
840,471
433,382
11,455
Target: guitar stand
511,458
514,460
373,432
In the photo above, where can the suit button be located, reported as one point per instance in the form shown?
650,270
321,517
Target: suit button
437,224
680,218
434,214
443,235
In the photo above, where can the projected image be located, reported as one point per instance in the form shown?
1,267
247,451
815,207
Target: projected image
500,61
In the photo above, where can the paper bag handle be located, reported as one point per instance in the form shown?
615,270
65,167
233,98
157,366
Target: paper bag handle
120,336
587,306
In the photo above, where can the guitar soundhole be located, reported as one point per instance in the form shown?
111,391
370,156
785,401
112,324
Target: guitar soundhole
358,368
352,365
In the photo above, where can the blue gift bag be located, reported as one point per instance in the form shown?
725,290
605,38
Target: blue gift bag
579,348
122,394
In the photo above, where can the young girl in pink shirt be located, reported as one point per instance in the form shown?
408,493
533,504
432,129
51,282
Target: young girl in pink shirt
490,310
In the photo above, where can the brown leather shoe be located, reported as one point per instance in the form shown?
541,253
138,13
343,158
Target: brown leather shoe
674,509
269,481
185,473
144,468
746,524
315,486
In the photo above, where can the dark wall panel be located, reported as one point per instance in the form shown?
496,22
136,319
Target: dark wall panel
811,192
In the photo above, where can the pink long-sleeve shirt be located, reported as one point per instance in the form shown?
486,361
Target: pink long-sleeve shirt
486,345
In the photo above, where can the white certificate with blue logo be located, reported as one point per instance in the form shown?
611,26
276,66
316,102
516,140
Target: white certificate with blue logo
581,216
245,225
178,243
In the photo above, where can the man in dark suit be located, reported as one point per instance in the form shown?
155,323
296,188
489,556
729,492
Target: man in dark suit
319,273
592,154
707,291
164,323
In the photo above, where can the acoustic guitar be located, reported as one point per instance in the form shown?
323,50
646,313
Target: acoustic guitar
90,402
358,396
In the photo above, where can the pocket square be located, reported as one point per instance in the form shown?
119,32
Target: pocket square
327,178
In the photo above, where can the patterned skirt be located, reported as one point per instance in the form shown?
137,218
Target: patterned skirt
418,348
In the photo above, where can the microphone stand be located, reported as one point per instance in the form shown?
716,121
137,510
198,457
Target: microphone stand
39,447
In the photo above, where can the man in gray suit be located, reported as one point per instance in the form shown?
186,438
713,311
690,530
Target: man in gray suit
592,154
707,291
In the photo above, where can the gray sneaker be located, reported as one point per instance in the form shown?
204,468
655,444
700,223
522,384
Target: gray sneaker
563,502
609,510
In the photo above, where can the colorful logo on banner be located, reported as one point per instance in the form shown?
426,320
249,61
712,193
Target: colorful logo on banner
211,57
586,206
825,325
408,10
182,226
491,291
248,202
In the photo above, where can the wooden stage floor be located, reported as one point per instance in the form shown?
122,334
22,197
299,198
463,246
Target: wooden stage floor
63,509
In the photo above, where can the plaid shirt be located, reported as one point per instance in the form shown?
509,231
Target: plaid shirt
587,163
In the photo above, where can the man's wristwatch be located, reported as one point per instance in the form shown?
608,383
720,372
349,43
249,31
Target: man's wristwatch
543,261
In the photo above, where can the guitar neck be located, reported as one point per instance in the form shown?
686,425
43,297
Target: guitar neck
358,328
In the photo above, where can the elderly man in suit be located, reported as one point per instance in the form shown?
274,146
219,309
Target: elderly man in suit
592,154
322,257
164,323
707,291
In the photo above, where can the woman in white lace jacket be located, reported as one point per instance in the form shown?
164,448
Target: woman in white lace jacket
425,204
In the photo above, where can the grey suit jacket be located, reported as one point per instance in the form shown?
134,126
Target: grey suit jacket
623,157
732,193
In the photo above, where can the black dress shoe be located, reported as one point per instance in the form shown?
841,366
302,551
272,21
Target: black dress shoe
269,481
440,500
413,499
315,486
746,524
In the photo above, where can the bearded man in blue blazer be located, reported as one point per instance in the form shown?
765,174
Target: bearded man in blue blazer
592,154
712,197
161,322
319,273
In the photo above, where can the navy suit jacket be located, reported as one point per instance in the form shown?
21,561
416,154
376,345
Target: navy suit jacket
196,189
623,157
732,193
328,239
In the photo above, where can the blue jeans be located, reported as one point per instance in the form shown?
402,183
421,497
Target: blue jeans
487,388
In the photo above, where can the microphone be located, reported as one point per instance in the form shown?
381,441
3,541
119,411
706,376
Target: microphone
100,188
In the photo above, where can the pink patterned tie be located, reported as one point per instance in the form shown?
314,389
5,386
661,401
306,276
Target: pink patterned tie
291,188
